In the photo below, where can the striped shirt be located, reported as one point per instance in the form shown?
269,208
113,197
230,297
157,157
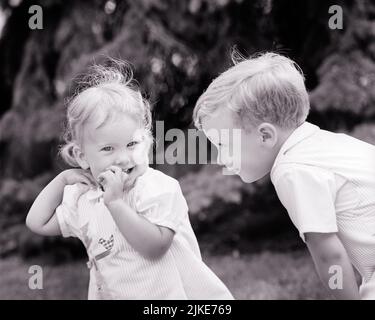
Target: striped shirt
326,181
117,271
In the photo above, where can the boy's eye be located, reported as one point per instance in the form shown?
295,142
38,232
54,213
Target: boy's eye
107,148
132,144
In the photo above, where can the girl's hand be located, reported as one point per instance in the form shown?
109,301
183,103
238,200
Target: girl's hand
113,181
73,176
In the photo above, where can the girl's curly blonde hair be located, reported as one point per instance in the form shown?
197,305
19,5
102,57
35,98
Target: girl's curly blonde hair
103,94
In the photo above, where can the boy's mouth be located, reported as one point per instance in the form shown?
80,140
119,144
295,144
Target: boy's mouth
233,170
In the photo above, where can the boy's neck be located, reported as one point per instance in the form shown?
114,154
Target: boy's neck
283,135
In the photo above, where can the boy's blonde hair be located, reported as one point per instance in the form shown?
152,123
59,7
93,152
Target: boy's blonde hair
266,88
104,93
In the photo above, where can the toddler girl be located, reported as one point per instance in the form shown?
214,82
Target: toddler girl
133,220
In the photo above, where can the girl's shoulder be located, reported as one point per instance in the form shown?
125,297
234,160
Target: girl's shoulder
154,182
159,197
73,193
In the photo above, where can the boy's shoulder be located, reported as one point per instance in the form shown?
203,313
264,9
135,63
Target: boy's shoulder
296,173
308,140
310,147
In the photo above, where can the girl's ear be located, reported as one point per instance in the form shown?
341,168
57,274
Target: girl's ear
80,157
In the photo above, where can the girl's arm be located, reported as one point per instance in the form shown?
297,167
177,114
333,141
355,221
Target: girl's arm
333,265
149,239
41,218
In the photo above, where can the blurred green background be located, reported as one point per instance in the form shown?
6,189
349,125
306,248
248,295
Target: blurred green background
176,49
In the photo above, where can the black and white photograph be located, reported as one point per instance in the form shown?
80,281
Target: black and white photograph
190,150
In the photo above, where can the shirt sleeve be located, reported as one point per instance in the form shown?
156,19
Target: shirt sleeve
308,193
168,208
66,212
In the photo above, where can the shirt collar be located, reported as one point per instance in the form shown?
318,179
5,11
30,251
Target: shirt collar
302,132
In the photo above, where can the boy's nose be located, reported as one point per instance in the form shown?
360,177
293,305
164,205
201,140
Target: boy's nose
224,161
220,161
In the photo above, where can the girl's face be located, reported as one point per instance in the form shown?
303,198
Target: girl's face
120,143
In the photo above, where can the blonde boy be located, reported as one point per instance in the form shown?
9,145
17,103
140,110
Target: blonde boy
326,181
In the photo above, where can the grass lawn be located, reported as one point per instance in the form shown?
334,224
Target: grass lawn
266,275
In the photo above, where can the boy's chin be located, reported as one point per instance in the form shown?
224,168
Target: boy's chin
249,178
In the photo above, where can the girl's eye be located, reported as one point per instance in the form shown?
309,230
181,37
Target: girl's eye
132,144
108,148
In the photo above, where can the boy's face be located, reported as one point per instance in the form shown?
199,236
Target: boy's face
119,143
248,154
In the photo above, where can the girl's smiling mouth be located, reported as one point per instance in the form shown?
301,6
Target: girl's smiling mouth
128,170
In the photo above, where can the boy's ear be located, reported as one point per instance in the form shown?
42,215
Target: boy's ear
80,158
268,134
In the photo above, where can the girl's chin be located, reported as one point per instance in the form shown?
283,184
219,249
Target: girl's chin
138,170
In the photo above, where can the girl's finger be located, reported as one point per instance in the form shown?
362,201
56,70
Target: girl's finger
101,178
115,169
83,188
81,179
119,173
106,176
89,177
86,180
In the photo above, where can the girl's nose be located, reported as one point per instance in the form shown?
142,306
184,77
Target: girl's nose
123,159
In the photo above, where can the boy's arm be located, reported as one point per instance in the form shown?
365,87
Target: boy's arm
150,240
41,218
327,250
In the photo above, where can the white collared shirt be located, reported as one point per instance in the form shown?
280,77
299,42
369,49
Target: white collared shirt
326,181
117,271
